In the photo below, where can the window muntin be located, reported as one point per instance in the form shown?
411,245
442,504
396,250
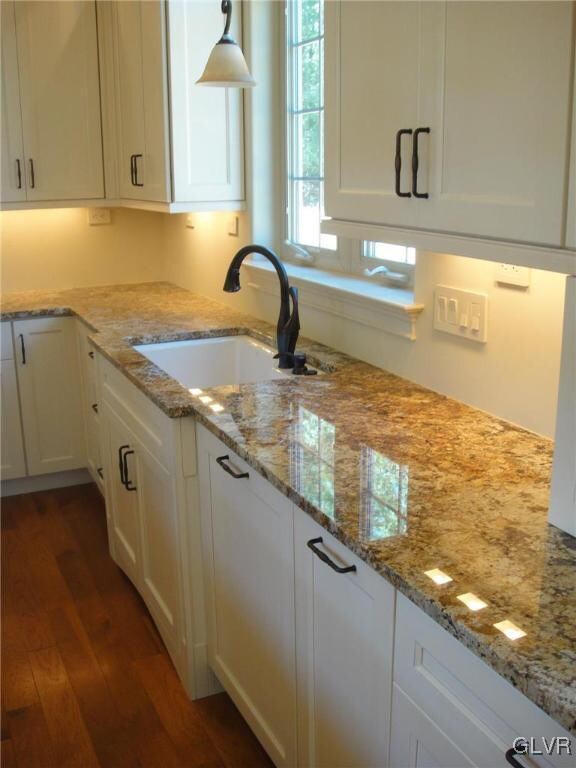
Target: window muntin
305,124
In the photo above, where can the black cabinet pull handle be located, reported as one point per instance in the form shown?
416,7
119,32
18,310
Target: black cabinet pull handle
22,348
121,463
100,472
398,160
416,163
128,484
91,354
236,475
325,559
136,182
95,407
32,176
511,759
19,172
132,171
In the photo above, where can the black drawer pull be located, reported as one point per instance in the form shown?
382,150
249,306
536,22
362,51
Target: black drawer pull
100,472
398,160
22,347
121,463
135,182
236,475
95,407
511,759
32,175
325,559
91,354
132,179
416,163
19,173
128,484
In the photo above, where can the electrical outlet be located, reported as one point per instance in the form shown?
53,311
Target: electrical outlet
234,226
97,216
190,221
461,313
510,274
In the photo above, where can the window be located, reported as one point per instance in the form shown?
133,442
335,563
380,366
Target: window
305,124
398,254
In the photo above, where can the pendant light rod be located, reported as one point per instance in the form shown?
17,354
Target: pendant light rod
227,11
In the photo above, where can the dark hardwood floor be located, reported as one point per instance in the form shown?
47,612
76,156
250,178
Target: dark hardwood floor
86,680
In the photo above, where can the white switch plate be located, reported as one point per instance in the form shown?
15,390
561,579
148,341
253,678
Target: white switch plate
99,216
234,226
510,274
461,313
190,221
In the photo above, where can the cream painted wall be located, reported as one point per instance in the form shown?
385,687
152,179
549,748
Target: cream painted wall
56,248
514,375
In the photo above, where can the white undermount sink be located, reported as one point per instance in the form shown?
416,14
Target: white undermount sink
200,363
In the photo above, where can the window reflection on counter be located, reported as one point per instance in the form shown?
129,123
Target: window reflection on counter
313,460
384,496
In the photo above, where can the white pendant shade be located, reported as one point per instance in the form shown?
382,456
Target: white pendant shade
226,68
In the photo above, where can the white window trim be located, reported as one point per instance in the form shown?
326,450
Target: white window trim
343,295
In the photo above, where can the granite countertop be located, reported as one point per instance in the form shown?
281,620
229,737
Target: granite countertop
406,478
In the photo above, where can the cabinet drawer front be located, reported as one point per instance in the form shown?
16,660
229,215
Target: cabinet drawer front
475,707
152,427
6,346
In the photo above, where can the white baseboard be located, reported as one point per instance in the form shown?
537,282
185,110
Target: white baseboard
44,482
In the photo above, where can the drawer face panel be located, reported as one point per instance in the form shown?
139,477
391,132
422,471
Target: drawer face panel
6,348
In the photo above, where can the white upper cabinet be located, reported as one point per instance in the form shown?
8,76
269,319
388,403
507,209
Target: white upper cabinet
496,96
60,99
178,144
372,85
492,83
12,165
207,122
571,218
141,99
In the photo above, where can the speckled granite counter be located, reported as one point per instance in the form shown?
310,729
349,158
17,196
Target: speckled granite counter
408,479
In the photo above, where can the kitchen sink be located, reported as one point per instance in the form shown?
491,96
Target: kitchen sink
199,363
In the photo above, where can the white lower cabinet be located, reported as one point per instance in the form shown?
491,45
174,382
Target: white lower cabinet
90,405
50,394
141,481
12,448
249,568
345,626
449,709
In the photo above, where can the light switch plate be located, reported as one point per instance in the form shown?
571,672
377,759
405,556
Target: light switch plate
461,313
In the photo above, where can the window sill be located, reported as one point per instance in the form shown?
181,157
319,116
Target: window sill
349,296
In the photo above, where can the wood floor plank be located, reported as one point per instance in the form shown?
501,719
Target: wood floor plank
31,740
61,711
180,720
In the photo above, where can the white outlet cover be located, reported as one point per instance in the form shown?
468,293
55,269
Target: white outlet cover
510,274
97,216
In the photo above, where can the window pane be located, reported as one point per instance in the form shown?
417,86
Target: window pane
308,76
387,252
307,213
308,145
308,20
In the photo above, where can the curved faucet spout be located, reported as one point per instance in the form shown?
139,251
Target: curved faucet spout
288,322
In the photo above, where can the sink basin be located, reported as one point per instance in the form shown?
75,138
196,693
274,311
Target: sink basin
200,363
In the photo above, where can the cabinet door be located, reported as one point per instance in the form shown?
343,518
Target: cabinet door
58,58
142,99
158,523
13,181
496,95
50,387
344,642
249,560
571,219
12,449
373,80
417,742
121,503
207,134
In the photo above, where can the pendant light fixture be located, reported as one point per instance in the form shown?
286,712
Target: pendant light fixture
226,66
